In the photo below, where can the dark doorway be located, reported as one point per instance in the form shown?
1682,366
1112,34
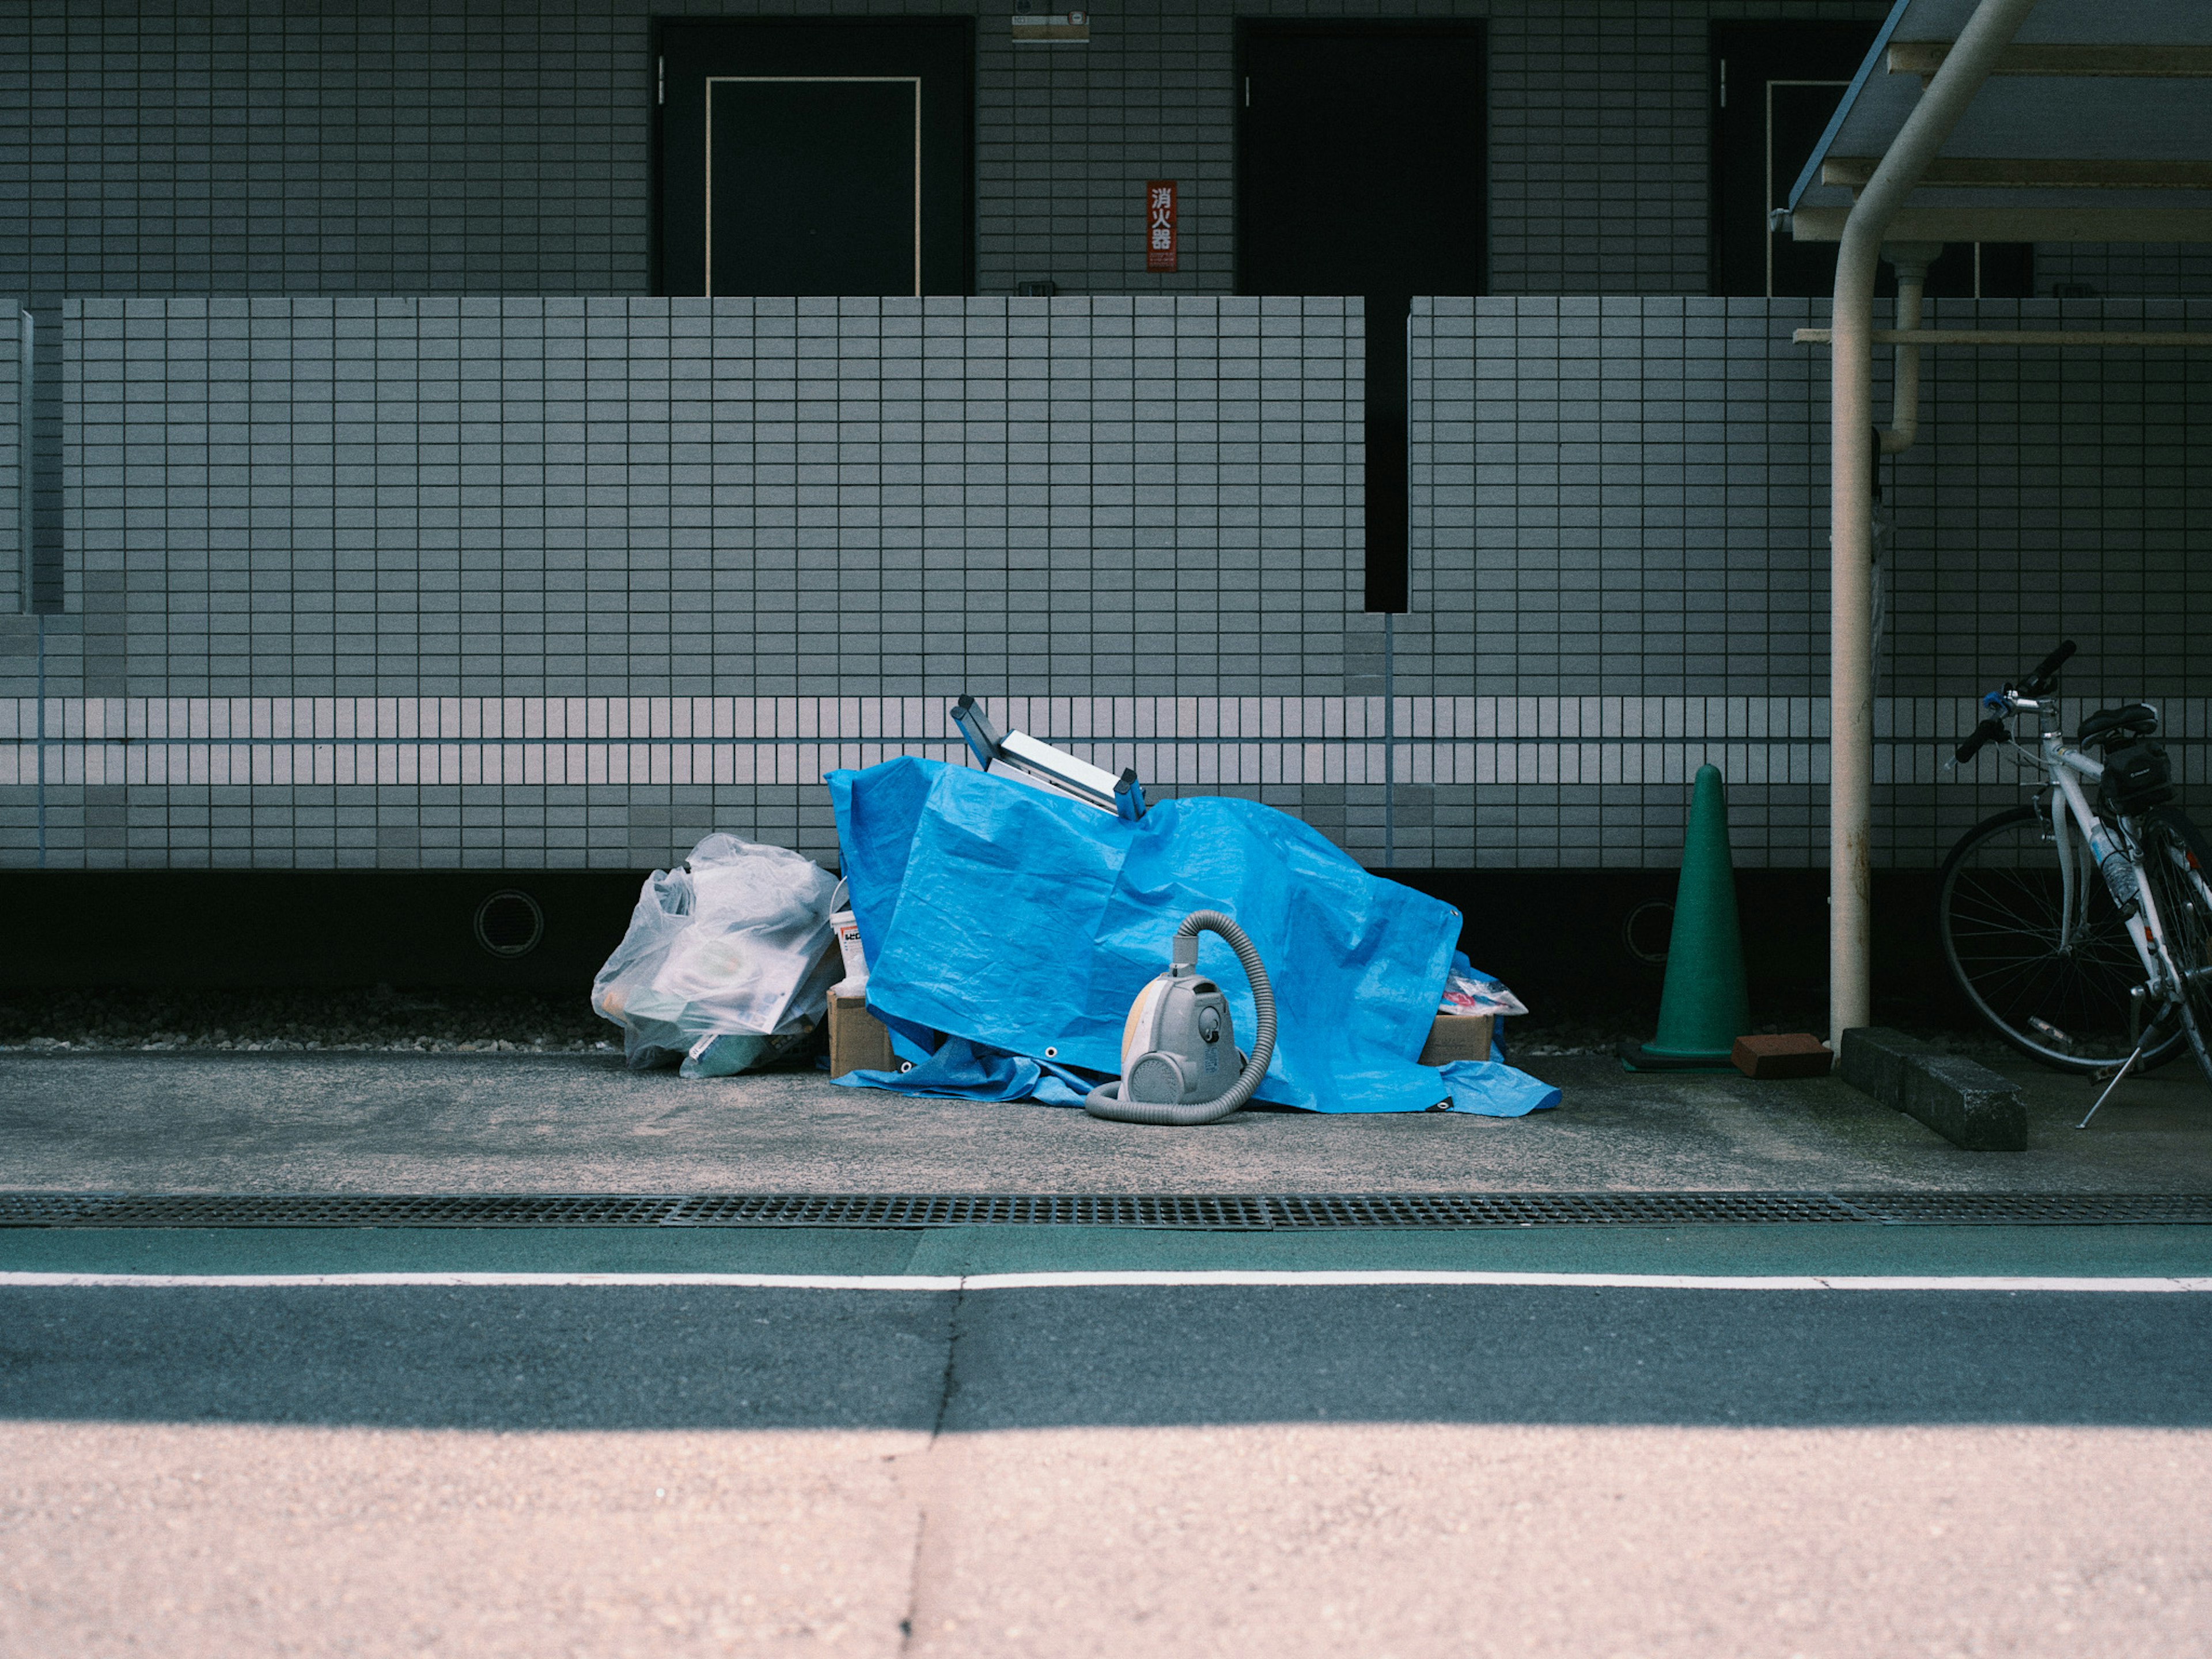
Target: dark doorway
1361,170
816,158
1774,87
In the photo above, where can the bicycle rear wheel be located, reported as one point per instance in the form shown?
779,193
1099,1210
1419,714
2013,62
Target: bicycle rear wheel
2177,869
2000,913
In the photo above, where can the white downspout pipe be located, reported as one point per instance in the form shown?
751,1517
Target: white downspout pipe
1853,443
1911,260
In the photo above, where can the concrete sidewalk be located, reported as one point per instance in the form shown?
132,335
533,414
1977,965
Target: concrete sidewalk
514,1123
511,1474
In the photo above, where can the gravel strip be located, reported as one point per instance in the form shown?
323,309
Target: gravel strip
388,1021
379,1020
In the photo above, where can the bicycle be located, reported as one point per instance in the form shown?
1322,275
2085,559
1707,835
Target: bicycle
2080,930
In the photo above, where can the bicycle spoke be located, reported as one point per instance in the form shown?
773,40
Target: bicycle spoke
2176,890
2004,912
2030,928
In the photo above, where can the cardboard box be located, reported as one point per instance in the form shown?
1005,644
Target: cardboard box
1799,1054
1458,1036
858,1042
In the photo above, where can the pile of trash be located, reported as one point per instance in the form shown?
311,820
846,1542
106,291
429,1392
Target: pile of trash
727,963
1008,924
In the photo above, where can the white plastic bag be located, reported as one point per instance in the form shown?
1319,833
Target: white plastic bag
1476,992
735,945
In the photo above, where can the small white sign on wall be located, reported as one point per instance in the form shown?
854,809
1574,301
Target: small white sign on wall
1055,27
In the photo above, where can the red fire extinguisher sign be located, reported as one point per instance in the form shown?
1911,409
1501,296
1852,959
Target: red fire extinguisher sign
1160,225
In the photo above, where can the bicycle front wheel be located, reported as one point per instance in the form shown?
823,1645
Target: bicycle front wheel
2177,868
2059,994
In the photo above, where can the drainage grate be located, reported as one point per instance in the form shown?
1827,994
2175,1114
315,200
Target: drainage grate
1219,1212
1228,1211
1553,1209
50,1209
340,1210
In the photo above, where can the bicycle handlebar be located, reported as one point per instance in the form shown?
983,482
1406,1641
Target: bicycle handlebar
2038,680
1985,734
2044,675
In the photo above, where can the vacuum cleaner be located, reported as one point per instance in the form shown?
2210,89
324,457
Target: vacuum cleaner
1177,1040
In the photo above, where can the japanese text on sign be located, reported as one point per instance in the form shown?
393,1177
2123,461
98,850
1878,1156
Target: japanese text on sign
1160,225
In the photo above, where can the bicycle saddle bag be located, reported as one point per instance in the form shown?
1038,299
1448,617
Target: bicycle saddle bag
2137,777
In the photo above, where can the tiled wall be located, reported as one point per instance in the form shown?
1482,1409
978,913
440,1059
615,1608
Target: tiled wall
1618,496
13,570
301,528
2058,493
1625,497
2124,269
503,146
358,618
496,146
625,782
767,504
485,497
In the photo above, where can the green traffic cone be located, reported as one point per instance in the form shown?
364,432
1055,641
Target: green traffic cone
1703,1008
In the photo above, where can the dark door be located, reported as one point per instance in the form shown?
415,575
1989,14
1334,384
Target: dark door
1774,87
816,158
1360,170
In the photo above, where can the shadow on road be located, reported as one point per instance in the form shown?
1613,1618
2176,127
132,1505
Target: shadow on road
687,1358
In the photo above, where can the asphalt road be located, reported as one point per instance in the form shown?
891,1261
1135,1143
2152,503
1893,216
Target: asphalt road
1397,1469
647,1357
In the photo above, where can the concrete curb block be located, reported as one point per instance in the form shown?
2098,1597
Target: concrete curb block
1960,1099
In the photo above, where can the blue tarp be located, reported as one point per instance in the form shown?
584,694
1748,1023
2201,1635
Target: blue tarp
1021,921
962,1072
1490,1088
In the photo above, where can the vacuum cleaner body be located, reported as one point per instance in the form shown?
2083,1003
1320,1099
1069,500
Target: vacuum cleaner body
1179,1043
1179,1058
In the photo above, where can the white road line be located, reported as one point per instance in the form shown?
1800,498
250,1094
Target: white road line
1621,1281
913,1284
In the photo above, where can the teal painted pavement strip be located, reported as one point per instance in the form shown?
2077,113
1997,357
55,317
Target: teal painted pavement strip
1843,1250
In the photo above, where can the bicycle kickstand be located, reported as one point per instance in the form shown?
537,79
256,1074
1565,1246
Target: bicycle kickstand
2115,1083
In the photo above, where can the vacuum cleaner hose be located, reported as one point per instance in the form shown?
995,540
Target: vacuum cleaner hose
1105,1101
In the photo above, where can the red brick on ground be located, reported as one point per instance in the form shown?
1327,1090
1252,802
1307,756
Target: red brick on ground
1798,1054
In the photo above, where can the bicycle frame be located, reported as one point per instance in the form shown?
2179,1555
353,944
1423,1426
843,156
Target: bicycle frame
2067,770
2148,856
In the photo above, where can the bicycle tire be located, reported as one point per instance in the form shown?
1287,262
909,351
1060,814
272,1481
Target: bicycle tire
1998,914
2176,866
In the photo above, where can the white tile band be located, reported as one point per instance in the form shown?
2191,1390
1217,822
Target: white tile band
1903,721
1173,742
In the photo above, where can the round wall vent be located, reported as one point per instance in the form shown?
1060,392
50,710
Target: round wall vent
509,924
1648,930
